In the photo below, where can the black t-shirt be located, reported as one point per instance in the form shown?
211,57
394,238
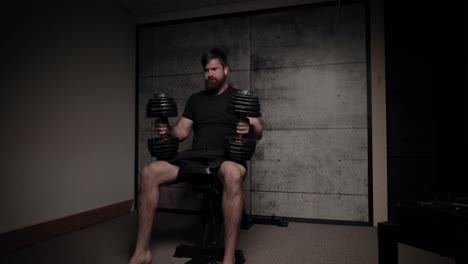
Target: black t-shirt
211,122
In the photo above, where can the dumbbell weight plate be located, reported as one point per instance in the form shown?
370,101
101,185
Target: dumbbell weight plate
162,144
160,104
160,111
254,104
245,93
156,111
161,101
156,142
236,95
239,145
162,108
164,155
240,141
244,100
161,114
163,147
233,104
237,158
165,152
246,113
162,150
239,153
164,139
165,158
161,96
156,153
238,148
245,107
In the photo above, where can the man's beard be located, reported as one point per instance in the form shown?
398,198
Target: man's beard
212,85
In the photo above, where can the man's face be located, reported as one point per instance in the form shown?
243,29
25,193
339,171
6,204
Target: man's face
215,76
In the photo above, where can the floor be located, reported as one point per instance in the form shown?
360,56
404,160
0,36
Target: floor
113,242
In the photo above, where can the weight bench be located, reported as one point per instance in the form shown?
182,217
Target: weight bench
210,247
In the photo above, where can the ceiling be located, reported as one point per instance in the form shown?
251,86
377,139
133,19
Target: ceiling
151,7
153,11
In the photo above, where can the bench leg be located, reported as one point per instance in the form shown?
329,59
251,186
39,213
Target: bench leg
388,243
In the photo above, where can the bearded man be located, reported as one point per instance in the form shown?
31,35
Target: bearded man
205,114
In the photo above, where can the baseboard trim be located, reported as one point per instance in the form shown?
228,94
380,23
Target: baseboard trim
19,238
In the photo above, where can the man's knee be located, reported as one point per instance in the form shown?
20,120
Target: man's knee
157,173
232,173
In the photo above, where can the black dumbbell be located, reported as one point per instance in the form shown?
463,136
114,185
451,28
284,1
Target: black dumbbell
242,104
161,106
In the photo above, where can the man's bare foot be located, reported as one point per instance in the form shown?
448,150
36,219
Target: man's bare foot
229,260
141,258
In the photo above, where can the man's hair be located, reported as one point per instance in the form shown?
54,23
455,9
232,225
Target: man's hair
214,53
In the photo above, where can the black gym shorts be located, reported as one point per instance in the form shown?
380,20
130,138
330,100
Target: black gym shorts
201,157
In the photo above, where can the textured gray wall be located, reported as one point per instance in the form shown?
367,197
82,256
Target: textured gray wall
308,66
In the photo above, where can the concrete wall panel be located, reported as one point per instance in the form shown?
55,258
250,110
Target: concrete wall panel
312,161
177,47
326,96
307,205
308,36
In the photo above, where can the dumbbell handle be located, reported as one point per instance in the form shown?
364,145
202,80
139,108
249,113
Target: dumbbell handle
239,119
163,120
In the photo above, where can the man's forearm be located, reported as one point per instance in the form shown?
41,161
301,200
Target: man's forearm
256,128
176,132
255,132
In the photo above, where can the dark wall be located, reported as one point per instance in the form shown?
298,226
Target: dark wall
426,67
67,109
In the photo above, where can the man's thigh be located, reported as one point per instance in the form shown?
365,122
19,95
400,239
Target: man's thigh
164,171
